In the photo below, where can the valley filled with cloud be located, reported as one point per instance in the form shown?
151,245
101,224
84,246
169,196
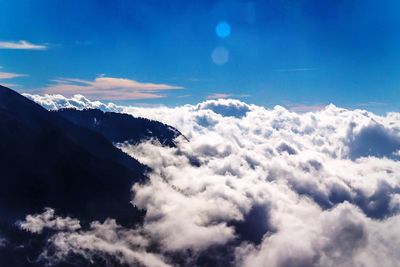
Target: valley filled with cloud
248,186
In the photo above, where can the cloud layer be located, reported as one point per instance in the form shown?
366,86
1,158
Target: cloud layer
256,185
54,102
108,88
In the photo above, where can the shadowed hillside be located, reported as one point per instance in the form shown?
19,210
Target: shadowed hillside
117,127
48,161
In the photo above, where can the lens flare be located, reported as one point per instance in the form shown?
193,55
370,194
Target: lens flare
223,29
220,55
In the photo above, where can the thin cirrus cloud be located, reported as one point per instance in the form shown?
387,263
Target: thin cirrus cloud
225,95
218,96
108,88
21,45
8,76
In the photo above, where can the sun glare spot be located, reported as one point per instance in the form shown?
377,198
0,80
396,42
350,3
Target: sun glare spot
223,29
220,55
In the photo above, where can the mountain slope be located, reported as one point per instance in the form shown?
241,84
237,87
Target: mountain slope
46,160
117,127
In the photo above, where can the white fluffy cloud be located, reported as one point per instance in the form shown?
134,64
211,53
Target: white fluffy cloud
107,239
326,183
36,223
342,236
54,102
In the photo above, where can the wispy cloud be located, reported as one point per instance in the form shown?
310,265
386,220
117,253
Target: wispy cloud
108,88
9,76
225,95
21,45
184,96
370,104
218,95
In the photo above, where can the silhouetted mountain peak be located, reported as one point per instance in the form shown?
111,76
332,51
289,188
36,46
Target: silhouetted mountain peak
47,160
118,127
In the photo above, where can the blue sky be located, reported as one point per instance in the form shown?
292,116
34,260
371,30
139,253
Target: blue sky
300,54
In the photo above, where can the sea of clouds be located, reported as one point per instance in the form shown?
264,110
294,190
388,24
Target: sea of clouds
251,187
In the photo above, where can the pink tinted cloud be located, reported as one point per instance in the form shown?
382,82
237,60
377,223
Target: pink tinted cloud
218,95
108,88
10,75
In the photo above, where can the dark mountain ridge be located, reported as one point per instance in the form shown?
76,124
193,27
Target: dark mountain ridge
47,160
118,127
66,160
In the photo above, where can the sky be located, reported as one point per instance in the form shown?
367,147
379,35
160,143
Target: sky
300,54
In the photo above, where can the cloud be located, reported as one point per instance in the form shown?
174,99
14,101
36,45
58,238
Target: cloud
301,108
338,237
36,223
22,45
9,76
106,239
224,96
54,102
375,140
108,88
370,104
248,161
295,173
184,96
225,107
218,96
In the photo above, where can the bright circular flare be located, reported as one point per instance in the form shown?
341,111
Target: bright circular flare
220,55
223,29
